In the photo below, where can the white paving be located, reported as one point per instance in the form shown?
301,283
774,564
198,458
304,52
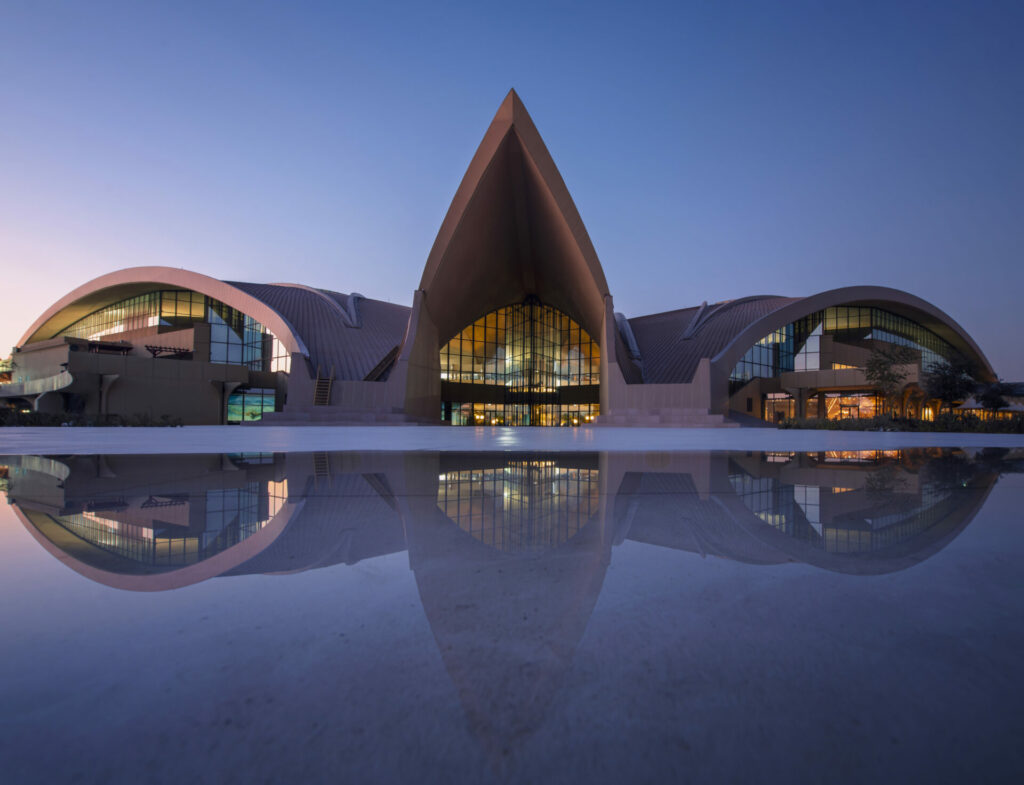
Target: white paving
211,439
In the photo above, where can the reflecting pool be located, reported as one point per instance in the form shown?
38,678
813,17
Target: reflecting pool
512,617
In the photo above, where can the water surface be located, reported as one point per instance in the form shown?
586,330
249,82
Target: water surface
512,617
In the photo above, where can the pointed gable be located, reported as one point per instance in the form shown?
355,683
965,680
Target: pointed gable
512,231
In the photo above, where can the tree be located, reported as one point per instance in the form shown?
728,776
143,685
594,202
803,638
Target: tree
886,369
991,396
949,381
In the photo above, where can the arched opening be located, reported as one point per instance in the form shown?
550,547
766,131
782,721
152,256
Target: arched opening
814,367
149,350
522,364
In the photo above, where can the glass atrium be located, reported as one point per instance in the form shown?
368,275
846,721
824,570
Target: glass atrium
523,364
235,338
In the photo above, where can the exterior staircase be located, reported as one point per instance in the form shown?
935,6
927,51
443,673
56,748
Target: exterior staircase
322,388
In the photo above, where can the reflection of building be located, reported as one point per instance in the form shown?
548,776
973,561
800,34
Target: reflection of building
155,523
157,515
512,323
509,552
521,504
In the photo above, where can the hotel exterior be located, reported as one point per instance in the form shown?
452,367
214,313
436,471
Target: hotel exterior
512,323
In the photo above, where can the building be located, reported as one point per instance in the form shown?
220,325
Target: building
512,323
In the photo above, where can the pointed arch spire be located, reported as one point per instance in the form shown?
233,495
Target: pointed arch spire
512,231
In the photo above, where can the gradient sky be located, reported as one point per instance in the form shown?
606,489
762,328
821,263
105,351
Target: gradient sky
714,149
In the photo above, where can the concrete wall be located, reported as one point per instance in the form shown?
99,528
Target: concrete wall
136,384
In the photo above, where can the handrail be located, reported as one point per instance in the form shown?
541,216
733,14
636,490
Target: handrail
36,386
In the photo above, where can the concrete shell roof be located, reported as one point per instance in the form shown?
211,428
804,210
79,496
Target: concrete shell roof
672,344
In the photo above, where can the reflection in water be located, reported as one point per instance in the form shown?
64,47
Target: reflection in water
138,515
132,516
523,505
857,502
509,603
172,530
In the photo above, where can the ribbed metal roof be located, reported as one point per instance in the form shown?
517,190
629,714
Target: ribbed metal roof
323,319
673,343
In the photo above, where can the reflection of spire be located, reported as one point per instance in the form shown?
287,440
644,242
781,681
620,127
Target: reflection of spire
507,624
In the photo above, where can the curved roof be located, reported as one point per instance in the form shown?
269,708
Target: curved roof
351,346
348,333
114,287
672,344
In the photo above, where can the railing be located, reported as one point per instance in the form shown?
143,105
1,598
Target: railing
36,386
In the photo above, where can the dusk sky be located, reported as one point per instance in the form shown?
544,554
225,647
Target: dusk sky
714,150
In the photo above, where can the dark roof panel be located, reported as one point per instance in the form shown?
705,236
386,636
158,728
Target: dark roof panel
673,343
323,319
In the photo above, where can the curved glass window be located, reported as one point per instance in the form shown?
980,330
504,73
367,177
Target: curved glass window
522,364
235,339
796,347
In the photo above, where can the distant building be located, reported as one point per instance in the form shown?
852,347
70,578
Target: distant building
512,323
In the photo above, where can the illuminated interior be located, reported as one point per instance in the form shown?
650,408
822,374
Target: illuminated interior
522,506
523,364
883,503
235,338
161,532
798,347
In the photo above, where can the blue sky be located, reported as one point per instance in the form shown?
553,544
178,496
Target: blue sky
715,150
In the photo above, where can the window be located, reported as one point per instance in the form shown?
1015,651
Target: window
249,404
797,346
236,339
522,357
779,407
522,506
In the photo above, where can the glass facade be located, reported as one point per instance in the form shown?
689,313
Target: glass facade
844,405
796,347
469,413
166,532
247,404
779,407
864,522
235,339
521,507
513,367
